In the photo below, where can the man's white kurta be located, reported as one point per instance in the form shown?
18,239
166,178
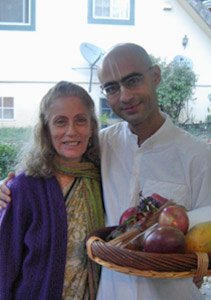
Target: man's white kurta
171,163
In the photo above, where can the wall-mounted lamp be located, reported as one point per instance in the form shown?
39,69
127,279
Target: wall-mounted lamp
185,41
167,5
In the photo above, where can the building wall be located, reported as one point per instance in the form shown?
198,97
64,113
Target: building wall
31,62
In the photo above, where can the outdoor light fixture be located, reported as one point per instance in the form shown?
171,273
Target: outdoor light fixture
185,41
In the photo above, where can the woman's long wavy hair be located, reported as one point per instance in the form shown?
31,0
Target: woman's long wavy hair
38,161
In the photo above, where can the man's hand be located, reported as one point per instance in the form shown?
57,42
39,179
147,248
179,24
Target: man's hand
4,191
198,281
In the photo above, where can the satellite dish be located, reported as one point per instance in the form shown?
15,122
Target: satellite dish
92,55
183,60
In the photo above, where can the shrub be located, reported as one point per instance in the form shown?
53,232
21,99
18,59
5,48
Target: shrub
12,139
8,155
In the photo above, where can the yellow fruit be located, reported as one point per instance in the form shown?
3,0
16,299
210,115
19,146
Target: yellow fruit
198,238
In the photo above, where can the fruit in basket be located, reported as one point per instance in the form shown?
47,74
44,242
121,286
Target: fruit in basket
137,244
145,206
198,238
176,216
165,239
135,216
127,214
159,198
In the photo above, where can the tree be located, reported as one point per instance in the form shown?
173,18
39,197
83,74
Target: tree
176,88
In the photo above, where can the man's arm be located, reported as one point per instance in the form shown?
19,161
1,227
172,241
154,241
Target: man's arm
5,192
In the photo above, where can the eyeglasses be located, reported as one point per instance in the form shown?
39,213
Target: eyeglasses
130,82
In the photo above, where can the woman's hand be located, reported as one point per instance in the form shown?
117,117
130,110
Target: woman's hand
4,191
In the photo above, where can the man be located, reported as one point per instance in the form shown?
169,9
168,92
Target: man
146,153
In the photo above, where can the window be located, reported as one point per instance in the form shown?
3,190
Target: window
6,108
119,12
105,109
17,15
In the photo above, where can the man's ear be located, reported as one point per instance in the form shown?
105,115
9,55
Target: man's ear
156,75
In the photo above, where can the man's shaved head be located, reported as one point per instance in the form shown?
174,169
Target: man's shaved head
124,50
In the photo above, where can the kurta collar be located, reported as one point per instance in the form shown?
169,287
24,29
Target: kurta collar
158,139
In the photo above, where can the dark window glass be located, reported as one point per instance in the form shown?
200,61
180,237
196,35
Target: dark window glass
17,14
106,109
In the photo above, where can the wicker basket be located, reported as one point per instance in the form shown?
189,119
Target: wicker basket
154,265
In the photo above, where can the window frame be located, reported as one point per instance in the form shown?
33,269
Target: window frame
3,108
22,26
110,21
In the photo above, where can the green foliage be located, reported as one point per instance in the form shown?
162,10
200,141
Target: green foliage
8,155
104,119
176,88
200,130
11,141
208,117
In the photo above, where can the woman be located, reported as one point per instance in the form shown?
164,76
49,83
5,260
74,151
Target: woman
57,204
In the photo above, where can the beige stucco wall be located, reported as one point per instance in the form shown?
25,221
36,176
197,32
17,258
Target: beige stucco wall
31,62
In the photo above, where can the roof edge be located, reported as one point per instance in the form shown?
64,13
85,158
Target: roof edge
200,13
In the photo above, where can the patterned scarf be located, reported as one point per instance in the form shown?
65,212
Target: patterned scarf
91,189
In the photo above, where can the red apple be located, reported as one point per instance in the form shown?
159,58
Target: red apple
165,239
174,216
127,213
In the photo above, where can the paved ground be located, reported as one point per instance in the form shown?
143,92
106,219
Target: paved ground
206,287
